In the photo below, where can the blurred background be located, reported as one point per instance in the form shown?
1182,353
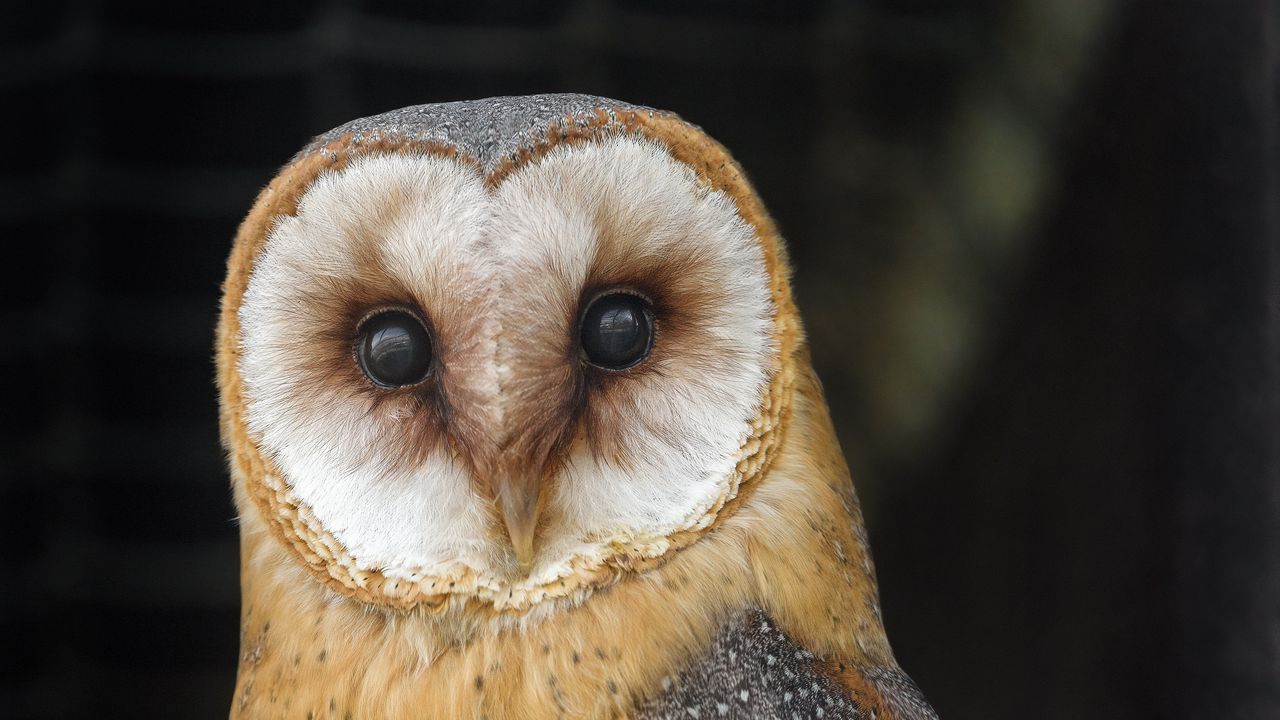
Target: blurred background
1037,245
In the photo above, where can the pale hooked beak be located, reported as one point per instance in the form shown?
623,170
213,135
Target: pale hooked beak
518,500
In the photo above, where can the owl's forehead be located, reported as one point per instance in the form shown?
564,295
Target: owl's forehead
614,173
557,180
600,205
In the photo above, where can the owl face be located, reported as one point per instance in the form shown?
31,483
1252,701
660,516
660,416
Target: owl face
506,389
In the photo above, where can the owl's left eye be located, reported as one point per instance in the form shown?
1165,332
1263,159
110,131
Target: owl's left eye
394,349
616,331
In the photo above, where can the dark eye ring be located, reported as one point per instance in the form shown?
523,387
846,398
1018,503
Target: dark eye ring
393,348
616,330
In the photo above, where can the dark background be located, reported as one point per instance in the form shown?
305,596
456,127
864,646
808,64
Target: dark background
1037,247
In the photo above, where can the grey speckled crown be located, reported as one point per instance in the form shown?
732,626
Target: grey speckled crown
490,130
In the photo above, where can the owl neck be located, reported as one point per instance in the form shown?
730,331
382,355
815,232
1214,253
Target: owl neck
794,548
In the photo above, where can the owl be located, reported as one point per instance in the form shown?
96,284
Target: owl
522,424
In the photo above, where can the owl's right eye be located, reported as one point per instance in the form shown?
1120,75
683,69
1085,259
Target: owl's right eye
394,349
616,331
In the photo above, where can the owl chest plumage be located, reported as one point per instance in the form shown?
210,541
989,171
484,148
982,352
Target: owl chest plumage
738,612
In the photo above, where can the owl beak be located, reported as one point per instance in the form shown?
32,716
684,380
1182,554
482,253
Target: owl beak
518,501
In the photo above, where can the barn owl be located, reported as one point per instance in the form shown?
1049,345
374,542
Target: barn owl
521,424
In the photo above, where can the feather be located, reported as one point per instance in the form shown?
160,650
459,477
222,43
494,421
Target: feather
754,669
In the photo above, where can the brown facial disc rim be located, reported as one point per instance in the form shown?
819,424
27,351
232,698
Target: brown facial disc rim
296,527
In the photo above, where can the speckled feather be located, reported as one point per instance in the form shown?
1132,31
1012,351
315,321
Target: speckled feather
753,670
491,130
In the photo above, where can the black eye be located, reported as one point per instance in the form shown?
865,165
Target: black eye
617,331
394,349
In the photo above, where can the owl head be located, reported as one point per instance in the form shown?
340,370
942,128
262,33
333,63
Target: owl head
502,352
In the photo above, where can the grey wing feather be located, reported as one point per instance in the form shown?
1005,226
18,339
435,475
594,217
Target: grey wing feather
754,670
